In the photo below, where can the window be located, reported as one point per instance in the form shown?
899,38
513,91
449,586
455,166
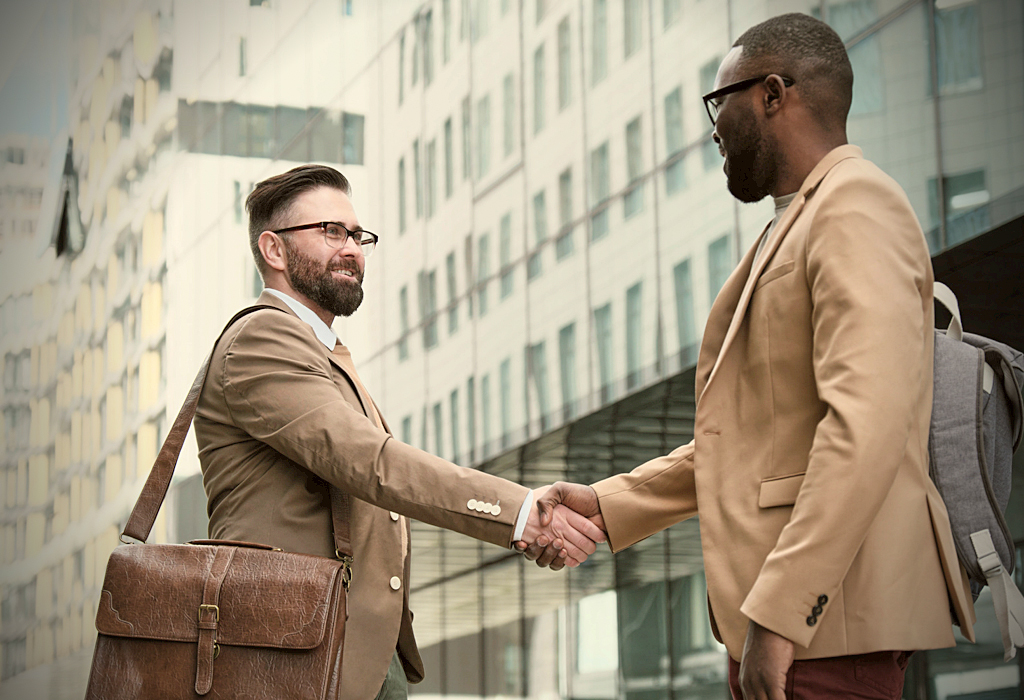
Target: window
564,65
352,138
603,335
401,195
671,11
453,297
483,135
238,202
125,117
538,89
403,319
958,49
719,265
541,10
600,180
632,33
540,228
464,20
243,57
417,173
483,271
506,402
428,307
467,152
438,430
453,409
449,159
471,418
427,32
564,244
599,42
431,178
634,329
567,366
485,412
537,369
508,116
850,18
468,248
401,67
674,174
480,19
505,255
407,430
684,314
633,201
446,31
709,149
346,7
967,211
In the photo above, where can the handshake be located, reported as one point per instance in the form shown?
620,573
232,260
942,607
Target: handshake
564,526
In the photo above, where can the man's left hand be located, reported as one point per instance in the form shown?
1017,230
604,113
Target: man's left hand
766,660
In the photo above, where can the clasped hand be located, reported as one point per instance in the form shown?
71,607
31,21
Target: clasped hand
564,526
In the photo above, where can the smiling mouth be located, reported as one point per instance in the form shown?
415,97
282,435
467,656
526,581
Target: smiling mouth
345,274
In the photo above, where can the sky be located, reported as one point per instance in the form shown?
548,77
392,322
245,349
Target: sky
35,45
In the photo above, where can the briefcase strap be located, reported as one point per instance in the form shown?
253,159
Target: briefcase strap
143,515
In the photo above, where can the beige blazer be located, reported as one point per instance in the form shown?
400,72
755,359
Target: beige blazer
809,466
279,419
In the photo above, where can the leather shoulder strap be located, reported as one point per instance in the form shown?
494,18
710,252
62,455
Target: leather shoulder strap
143,515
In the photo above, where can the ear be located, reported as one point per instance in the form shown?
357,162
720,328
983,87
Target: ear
273,251
775,95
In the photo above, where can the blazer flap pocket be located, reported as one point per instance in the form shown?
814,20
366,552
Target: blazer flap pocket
774,273
780,490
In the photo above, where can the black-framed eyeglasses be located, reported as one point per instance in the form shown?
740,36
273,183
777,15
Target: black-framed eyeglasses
713,100
336,235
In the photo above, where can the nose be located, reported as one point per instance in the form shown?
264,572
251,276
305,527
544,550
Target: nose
351,248
714,136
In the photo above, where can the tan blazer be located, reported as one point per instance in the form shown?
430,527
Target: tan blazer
279,418
809,466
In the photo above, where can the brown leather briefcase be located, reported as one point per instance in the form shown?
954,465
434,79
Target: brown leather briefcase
217,619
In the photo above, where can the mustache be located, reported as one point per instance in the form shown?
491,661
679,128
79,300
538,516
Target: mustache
349,265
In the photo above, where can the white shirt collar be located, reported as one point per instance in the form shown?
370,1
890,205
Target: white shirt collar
323,332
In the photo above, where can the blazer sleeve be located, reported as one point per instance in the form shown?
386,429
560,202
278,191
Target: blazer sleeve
279,389
652,497
869,275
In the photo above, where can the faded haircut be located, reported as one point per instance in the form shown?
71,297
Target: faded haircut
270,200
811,53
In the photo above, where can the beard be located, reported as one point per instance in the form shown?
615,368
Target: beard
314,280
750,170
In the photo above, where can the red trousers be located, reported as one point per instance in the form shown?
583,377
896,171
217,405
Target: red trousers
877,676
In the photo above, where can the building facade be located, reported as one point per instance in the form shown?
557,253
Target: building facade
554,226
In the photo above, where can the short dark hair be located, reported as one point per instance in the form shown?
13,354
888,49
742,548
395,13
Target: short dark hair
270,200
811,53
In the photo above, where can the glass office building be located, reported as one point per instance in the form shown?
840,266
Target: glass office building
554,227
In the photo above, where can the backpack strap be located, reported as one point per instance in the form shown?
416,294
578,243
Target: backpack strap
1006,597
944,295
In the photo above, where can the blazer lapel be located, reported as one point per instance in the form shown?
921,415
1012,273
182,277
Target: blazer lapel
758,266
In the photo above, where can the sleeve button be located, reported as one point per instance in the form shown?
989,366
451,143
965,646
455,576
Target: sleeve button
816,610
495,511
822,599
812,621
472,504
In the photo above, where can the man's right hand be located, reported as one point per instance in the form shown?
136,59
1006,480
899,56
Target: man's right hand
577,497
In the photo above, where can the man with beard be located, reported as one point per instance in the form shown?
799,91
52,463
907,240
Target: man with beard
283,419
827,549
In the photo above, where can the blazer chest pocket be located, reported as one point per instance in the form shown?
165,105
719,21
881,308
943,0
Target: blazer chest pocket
774,273
780,490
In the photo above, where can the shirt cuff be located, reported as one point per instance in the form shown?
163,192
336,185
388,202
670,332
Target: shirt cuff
524,515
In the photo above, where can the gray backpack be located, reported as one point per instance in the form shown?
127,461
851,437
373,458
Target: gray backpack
976,426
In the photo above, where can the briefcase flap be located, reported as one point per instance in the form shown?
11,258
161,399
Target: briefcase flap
267,599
